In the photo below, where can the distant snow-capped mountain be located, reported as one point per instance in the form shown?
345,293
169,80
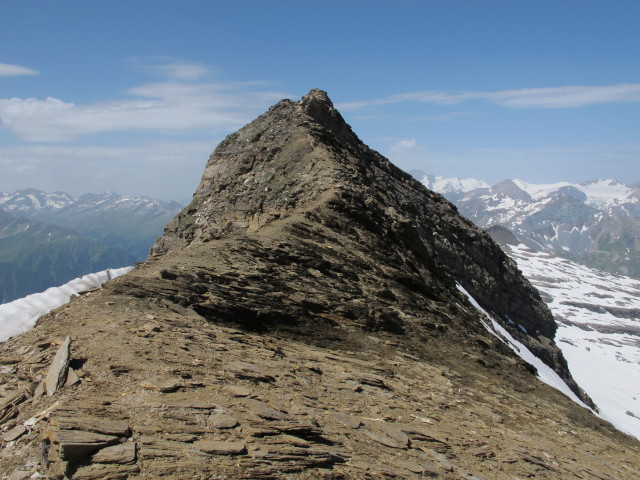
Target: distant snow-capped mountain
29,200
453,185
596,223
128,223
598,317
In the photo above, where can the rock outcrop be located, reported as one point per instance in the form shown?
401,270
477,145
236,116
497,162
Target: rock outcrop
301,319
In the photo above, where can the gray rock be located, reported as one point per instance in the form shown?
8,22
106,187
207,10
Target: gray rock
15,433
57,373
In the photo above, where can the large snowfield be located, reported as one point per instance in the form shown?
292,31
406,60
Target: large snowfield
22,314
598,317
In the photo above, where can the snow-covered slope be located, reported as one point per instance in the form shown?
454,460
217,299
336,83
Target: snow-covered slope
29,200
21,315
598,316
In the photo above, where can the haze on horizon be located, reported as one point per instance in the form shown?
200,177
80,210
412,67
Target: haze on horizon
134,96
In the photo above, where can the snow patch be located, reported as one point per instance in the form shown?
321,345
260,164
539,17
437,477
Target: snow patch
545,373
21,315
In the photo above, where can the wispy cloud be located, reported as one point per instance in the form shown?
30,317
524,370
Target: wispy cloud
158,168
180,71
549,97
7,70
168,106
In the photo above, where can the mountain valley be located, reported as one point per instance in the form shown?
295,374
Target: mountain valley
47,239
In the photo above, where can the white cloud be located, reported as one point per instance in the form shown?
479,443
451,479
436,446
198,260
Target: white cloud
181,71
406,149
165,106
550,97
7,70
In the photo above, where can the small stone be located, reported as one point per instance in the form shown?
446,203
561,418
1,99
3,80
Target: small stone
72,378
347,420
293,440
15,433
57,373
215,447
222,421
237,391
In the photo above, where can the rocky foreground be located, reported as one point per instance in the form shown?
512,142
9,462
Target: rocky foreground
300,319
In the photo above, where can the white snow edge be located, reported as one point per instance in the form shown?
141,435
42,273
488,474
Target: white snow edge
21,315
545,373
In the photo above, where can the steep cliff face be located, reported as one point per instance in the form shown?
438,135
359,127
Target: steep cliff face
301,319
300,168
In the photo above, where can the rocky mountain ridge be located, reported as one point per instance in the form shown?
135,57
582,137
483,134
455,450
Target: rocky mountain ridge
301,318
596,223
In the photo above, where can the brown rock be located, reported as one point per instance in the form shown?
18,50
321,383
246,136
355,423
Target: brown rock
347,420
123,453
215,447
237,390
222,421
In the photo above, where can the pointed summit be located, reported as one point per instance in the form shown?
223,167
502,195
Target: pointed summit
299,174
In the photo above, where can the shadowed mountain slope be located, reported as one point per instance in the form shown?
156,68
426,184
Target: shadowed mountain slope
301,319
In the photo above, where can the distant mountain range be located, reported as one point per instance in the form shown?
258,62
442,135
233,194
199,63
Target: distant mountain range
47,239
596,223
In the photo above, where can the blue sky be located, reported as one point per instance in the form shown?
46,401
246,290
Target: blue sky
133,96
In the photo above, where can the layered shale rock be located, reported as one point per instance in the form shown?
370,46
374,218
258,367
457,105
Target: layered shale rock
301,319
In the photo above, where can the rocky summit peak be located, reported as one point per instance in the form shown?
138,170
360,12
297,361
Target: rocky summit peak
313,313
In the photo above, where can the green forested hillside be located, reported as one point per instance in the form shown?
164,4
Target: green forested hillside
35,256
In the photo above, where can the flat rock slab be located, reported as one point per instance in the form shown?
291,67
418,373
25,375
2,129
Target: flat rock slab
89,423
392,431
263,410
57,373
180,400
237,391
75,444
347,420
15,433
123,453
216,447
384,439
106,472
